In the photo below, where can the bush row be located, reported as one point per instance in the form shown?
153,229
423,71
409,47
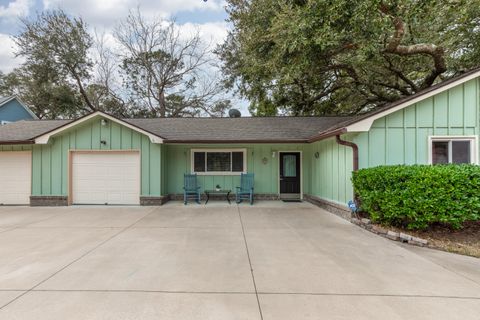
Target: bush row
418,196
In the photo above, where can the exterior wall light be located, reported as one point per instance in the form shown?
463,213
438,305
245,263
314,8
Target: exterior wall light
104,122
274,154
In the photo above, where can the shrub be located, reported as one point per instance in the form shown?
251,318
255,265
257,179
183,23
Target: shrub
418,196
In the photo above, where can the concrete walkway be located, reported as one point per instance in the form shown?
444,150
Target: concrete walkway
269,261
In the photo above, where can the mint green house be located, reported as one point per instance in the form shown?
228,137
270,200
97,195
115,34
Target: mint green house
99,159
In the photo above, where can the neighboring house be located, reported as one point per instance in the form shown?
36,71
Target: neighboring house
100,159
12,109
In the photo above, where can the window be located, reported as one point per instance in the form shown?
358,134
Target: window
453,149
221,162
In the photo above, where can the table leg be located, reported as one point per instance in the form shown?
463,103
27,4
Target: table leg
208,197
228,198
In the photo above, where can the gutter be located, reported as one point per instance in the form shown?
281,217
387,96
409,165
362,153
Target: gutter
169,141
327,134
354,149
8,142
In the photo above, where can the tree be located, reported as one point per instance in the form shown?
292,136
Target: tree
322,57
55,47
46,96
165,70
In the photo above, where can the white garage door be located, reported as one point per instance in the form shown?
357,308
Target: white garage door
15,177
106,178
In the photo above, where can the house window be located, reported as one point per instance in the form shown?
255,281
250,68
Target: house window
452,150
221,162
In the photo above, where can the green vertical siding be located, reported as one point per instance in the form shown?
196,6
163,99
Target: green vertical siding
330,173
178,162
50,161
402,137
399,138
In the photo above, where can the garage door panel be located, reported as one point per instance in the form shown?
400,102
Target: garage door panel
106,177
15,175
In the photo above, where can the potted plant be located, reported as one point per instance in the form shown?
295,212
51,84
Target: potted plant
218,188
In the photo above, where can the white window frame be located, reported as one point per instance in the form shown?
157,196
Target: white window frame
473,139
218,173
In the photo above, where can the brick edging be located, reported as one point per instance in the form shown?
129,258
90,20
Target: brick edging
335,208
389,234
345,213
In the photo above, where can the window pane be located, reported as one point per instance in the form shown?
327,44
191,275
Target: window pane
439,152
237,161
218,161
199,161
289,165
461,151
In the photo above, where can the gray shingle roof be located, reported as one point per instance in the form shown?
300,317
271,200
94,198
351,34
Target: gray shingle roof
248,129
25,130
254,129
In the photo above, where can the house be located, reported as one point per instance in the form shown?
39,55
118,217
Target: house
13,109
99,159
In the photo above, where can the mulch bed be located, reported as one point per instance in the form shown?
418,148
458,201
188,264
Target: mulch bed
464,241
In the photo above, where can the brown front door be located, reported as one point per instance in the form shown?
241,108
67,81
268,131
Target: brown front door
290,174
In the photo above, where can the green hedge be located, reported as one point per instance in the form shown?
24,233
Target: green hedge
420,195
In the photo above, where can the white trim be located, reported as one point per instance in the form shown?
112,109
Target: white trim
43,139
301,169
218,173
473,145
365,124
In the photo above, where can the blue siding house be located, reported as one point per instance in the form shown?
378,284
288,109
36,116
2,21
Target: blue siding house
12,109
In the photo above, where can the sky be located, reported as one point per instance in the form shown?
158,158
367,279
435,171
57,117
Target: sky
102,16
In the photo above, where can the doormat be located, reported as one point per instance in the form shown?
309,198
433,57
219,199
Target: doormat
291,200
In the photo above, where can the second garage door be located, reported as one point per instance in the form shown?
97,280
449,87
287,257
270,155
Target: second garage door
15,177
105,178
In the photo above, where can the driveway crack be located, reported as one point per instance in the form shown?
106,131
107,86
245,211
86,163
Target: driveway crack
250,263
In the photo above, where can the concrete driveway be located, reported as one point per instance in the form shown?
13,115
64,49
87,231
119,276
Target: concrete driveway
270,261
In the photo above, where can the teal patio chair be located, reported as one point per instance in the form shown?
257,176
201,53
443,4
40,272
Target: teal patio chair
245,191
190,188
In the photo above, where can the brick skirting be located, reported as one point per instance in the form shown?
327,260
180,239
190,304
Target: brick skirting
256,196
335,208
48,201
154,201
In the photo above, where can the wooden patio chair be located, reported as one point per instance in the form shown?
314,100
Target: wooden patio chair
245,191
190,188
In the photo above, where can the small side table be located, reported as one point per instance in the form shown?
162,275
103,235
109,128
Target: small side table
219,192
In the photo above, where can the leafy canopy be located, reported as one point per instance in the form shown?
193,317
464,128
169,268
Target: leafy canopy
320,57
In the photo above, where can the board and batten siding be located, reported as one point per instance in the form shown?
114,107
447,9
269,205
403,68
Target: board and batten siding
50,161
399,138
402,137
330,173
178,159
